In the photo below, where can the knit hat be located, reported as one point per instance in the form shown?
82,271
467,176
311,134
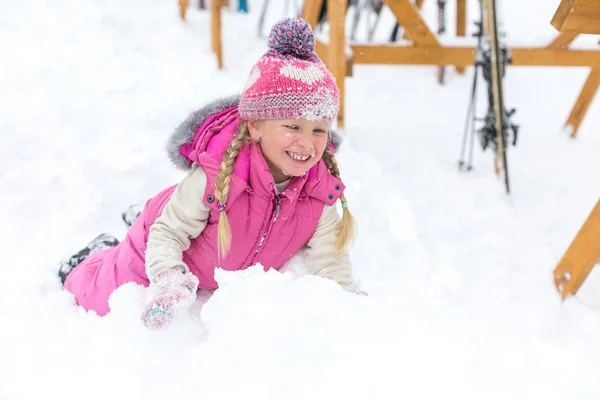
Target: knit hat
290,81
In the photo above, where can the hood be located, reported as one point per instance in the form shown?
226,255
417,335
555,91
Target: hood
186,131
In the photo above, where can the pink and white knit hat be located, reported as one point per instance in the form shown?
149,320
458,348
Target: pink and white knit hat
290,81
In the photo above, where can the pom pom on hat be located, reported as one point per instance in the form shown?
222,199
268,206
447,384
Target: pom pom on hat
290,81
294,37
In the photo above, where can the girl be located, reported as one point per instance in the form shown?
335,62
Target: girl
262,185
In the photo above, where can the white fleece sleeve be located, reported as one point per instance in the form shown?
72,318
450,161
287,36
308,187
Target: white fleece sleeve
184,217
320,253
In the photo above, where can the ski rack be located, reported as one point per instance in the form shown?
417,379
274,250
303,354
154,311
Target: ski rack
574,17
427,50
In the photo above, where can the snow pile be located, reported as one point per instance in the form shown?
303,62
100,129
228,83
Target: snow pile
461,300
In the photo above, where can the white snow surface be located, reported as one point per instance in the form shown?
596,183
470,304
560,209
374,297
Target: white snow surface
459,275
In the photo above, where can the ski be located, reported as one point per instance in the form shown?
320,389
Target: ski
491,57
441,30
497,69
376,6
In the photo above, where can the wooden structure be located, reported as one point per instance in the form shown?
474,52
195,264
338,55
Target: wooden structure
215,29
427,50
183,5
215,24
574,17
578,16
581,256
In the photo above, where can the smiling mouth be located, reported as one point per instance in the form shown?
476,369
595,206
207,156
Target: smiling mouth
298,157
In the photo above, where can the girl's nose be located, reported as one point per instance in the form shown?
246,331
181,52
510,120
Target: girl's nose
305,140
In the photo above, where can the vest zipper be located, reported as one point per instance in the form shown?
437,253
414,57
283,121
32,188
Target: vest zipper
272,219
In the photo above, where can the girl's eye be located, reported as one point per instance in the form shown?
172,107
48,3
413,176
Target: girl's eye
293,127
319,132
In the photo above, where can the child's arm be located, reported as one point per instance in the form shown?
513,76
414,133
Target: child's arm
184,217
321,253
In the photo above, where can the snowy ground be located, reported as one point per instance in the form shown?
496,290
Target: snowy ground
461,301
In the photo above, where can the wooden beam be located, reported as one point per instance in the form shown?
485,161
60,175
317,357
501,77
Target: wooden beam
555,57
419,6
409,18
563,40
215,25
310,11
581,16
464,56
415,55
322,51
583,102
581,256
183,5
337,49
461,24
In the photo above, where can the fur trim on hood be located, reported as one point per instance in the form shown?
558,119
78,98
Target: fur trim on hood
185,132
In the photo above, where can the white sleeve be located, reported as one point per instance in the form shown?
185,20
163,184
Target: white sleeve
183,218
320,254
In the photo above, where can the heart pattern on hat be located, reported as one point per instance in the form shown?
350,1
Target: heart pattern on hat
254,76
308,75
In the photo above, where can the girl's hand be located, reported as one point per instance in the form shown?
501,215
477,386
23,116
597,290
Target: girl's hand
174,293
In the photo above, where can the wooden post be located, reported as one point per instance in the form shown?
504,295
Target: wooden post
337,49
215,24
310,11
408,17
461,24
581,256
183,4
584,100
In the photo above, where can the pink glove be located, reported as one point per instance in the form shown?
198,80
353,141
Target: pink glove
174,292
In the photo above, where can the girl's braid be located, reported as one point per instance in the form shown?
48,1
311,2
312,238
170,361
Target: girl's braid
222,187
346,226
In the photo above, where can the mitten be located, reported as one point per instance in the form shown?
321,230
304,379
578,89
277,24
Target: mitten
353,288
174,292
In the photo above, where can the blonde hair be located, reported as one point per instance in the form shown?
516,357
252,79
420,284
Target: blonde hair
346,227
345,232
241,137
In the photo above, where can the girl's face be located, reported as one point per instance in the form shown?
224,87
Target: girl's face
290,146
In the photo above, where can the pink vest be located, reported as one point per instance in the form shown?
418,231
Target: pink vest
266,227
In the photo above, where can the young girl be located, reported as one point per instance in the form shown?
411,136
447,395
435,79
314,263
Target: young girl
262,185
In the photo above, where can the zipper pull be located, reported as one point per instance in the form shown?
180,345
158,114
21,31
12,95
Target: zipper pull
277,205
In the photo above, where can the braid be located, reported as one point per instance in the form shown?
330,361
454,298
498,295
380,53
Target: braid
346,226
222,187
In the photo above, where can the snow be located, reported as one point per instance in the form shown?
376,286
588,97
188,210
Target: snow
461,299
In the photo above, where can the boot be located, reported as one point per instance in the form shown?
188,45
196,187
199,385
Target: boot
130,215
101,242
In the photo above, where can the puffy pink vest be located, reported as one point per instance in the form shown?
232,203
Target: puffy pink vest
266,227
